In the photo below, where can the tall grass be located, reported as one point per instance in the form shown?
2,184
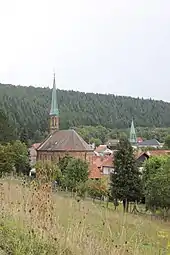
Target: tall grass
34,220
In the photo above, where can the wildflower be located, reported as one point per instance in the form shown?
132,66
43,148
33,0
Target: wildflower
162,234
168,245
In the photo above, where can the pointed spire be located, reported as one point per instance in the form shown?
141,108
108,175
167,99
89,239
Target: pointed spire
133,138
54,112
54,106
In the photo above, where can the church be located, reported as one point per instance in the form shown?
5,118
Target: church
60,143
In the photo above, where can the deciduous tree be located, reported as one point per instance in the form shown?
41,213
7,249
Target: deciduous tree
157,188
20,157
75,172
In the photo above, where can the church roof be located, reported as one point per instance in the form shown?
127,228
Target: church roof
64,140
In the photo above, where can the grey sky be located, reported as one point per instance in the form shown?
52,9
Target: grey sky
120,47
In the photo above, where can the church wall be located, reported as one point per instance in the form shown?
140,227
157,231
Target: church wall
56,156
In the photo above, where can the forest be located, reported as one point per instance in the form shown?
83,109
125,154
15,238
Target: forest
95,116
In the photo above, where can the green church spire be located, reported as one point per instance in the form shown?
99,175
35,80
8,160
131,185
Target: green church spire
133,138
54,112
54,106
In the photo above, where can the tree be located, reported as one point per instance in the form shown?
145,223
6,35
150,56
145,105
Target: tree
7,133
75,172
152,165
6,159
157,188
167,141
63,162
14,156
20,156
126,183
24,136
96,141
97,189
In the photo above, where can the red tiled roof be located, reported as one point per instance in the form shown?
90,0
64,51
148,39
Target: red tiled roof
103,161
158,152
101,148
95,172
98,163
107,161
139,139
153,153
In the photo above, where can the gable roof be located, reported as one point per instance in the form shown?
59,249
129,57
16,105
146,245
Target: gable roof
158,153
103,161
95,172
152,142
98,163
101,148
153,153
64,140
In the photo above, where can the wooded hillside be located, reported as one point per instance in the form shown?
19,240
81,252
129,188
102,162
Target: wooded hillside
27,109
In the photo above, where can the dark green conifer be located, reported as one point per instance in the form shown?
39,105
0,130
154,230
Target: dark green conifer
125,181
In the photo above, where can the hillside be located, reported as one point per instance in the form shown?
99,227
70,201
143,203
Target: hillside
33,224
27,109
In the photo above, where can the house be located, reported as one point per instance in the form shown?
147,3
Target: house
102,150
95,172
102,166
142,156
112,143
139,140
60,143
150,143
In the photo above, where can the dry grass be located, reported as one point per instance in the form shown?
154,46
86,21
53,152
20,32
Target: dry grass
36,221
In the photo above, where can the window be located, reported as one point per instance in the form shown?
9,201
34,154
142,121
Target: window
106,170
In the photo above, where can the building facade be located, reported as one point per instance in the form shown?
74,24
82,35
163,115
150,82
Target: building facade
60,143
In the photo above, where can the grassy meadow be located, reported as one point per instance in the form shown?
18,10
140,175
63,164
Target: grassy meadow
34,220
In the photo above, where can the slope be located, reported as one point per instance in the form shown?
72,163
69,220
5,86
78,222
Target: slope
28,107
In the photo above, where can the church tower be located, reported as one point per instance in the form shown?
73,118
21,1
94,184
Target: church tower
133,139
54,112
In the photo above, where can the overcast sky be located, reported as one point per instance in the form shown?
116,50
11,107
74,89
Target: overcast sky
106,46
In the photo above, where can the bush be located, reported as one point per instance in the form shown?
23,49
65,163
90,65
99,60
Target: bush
97,189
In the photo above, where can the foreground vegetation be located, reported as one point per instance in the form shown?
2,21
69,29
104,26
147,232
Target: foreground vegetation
36,221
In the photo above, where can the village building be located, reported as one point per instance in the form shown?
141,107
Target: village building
112,144
60,143
102,150
141,157
102,166
152,143
138,142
